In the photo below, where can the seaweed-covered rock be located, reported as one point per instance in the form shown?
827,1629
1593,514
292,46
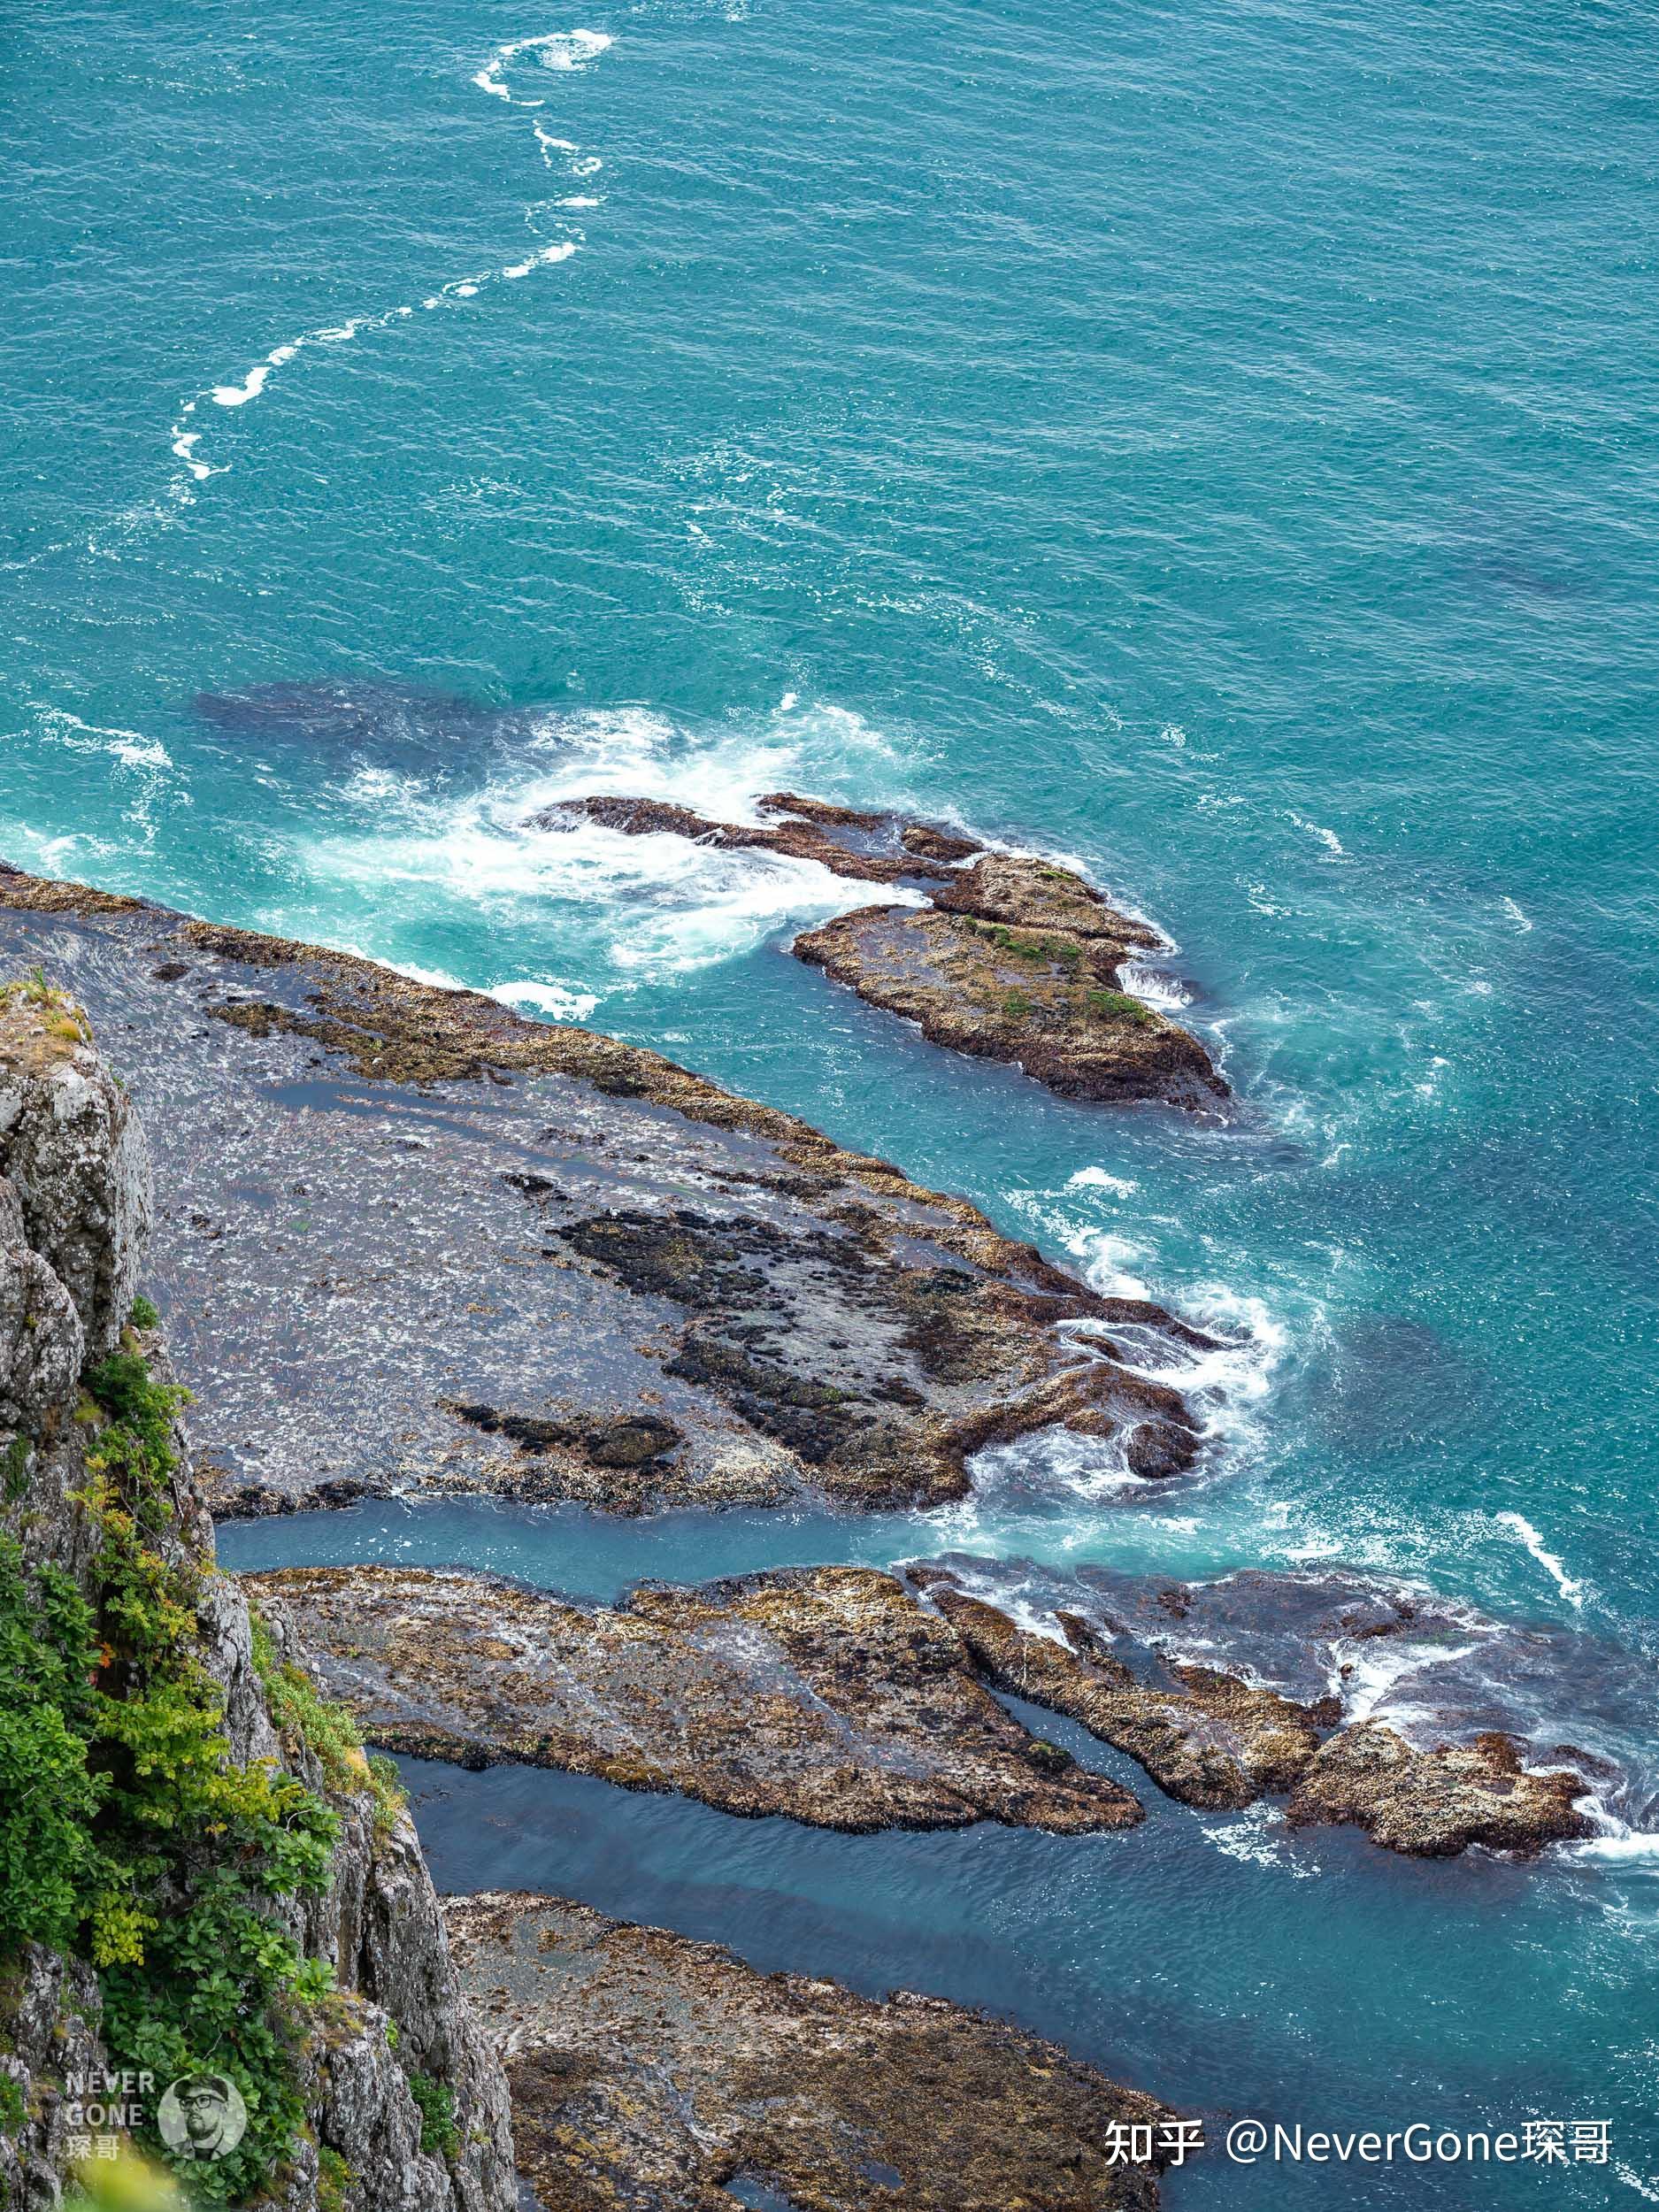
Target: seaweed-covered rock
1117,1654
989,970
1015,959
407,1240
1435,1802
825,1693
645,2068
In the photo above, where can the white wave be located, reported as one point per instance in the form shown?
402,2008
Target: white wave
996,1587
1369,1676
1574,1592
1054,1463
640,909
1097,1178
439,978
1155,987
1517,916
1328,838
131,747
1648,2187
548,254
557,1001
553,50
1619,1847
251,385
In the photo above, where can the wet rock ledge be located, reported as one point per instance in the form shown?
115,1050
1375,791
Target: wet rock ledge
1226,1736
824,1693
847,1699
406,1240
1015,959
649,2069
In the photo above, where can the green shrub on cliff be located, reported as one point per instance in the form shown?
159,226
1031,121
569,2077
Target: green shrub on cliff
439,2134
47,1792
128,1832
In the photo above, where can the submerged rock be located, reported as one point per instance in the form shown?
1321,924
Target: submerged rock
406,1240
1020,961
825,1693
873,847
649,2069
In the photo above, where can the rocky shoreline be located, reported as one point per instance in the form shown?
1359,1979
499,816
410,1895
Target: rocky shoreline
409,1241
649,2069
1012,958
825,1693
404,1241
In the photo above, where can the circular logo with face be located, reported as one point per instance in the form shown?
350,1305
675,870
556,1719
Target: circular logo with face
202,2116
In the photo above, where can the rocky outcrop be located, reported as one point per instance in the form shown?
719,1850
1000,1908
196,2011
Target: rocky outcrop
645,2068
1209,1735
488,1254
1015,959
824,1693
873,847
1207,1738
841,1698
1020,961
1436,1800
77,1523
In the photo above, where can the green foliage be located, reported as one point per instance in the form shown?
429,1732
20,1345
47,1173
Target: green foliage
13,2111
49,1792
303,1714
1118,1006
385,1786
66,1021
143,1315
436,2100
1016,1004
14,1470
127,1830
220,1988
1031,948
335,2180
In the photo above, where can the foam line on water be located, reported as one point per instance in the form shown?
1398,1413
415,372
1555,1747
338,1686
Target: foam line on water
1522,1529
562,50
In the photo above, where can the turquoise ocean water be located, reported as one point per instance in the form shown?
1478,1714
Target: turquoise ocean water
1214,445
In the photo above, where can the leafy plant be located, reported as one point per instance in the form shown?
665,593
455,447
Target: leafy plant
49,1792
438,2132
127,1830
14,1470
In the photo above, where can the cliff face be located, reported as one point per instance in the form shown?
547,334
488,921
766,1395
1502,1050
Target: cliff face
205,1796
